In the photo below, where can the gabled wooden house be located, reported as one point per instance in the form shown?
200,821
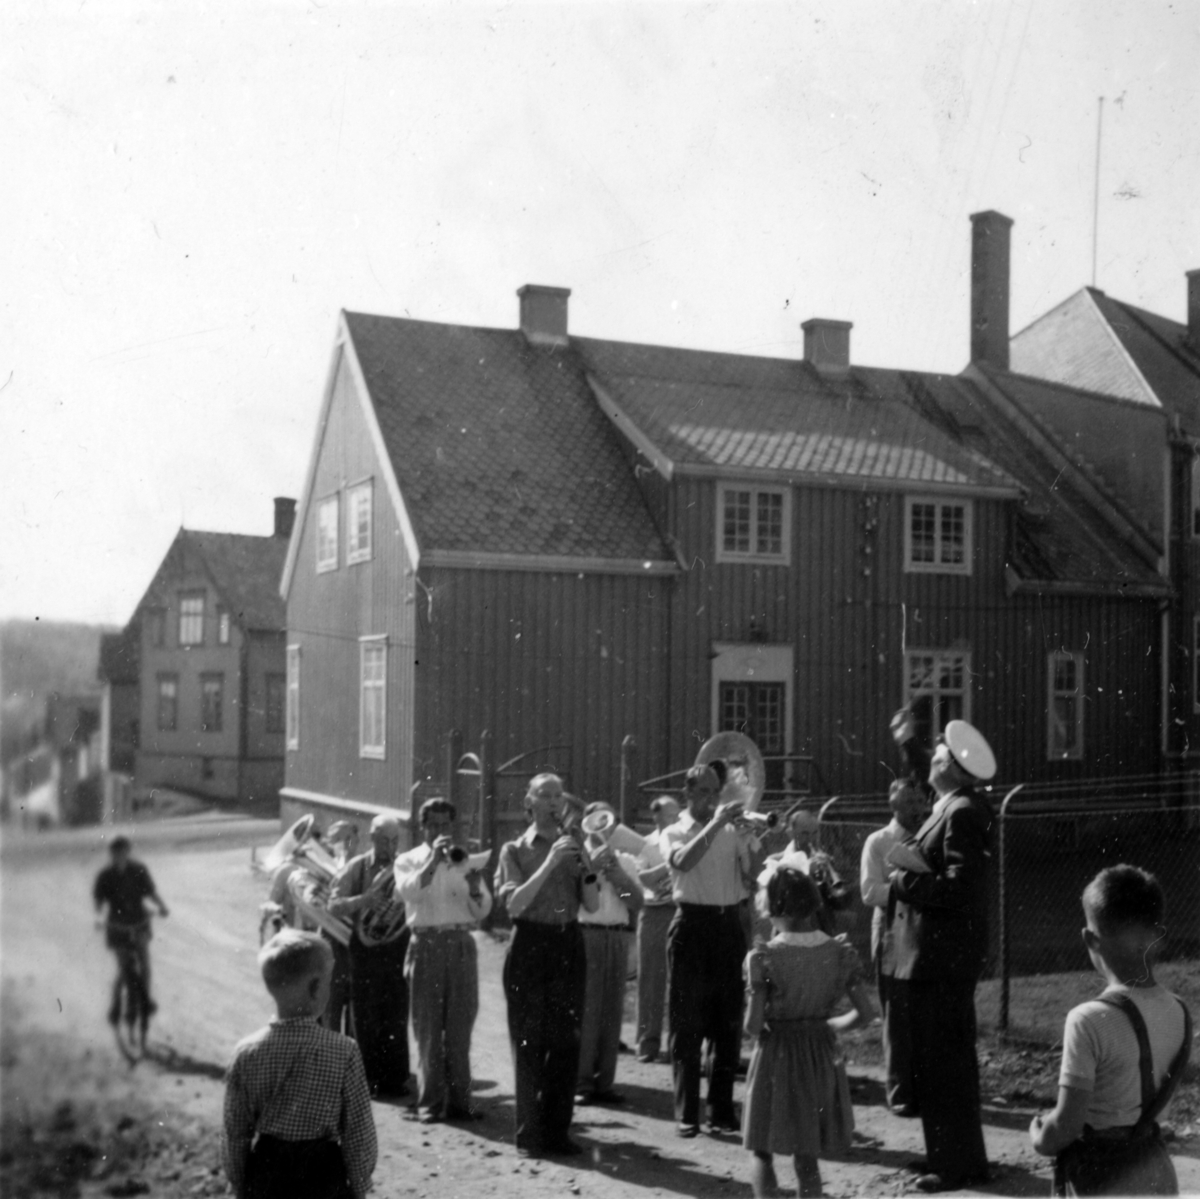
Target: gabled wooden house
567,541
212,665
1135,363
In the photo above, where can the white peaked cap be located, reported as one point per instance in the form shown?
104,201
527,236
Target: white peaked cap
970,749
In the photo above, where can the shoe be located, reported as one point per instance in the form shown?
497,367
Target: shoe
429,1117
723,1128
531,1151
906,1111
648,1057
463,1114
564,1148
918,1165
608,1097
583,1098
687,1130
932,1183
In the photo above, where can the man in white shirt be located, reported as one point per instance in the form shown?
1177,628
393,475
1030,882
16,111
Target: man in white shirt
653,921
606,945
444,900
705,949
907,802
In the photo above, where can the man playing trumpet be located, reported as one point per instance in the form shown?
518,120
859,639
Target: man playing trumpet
444,900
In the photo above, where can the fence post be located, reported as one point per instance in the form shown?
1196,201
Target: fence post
1005,930
628,748
453,754
487,793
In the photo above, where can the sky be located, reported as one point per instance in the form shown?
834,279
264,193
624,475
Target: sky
193,191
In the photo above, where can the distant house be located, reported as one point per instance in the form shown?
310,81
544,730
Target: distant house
566,540
1135,363
211,665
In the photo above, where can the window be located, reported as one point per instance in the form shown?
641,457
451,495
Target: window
222,626
292,715
937,536
758,710
939,681
327,534
156,626
212,693
276,702
1064,736
372,737
358,523
168,702
191,618
754,524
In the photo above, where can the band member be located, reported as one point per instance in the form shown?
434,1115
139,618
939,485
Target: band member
653,921
940,894
908,809
705,948
444,901
606,948
365,890
543,878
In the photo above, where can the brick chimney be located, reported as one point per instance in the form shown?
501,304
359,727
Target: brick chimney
544,314
990,238
827,344
1193,319
285,516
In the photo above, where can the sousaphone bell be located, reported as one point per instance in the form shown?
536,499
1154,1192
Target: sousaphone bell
745,776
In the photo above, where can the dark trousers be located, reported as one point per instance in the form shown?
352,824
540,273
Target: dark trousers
945,1075
379,1001
543,982
280,1169
897,1039
337,1010
705,948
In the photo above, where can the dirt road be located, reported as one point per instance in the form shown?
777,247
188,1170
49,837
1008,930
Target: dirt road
77,1121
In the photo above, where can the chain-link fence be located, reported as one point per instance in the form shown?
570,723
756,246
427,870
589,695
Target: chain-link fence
1049,841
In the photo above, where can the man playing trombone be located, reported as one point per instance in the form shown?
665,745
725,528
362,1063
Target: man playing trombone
444,899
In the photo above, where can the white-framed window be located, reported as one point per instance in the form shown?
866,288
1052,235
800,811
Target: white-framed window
212,702
191,618
168,702
1064,706
752,685
358,522
938,683
292,728
938,535
327,534
754,524
372,706
223,625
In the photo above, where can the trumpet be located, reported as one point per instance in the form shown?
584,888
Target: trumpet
755,822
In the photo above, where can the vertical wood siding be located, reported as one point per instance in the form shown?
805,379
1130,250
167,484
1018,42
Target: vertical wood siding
327,613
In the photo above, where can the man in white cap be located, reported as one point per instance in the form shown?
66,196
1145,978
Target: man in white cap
940,895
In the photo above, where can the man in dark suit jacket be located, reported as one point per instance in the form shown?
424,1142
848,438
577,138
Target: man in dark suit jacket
941,942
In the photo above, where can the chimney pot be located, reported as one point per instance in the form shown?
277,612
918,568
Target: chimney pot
1193,317
827,344
990,251
285,515
544,314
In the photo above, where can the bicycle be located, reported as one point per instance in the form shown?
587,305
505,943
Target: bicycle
131,1008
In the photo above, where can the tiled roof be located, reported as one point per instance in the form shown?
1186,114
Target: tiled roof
498,446
736,412
246,571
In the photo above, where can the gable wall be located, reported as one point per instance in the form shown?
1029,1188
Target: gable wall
328,613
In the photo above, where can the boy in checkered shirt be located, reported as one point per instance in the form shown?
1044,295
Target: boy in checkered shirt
298,1121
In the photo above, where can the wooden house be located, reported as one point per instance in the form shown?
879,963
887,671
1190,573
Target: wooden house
1134,363
212,665
568,541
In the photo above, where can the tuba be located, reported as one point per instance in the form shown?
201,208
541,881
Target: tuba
603,828
383,924
745,777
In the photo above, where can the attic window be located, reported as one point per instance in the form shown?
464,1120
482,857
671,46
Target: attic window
753,524
938,535
191,618
327,534
358,522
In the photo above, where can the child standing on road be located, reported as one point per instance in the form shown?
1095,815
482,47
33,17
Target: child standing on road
1123,1052
797,1095
299,1088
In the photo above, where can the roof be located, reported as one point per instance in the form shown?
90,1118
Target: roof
731,412
498,446
246,571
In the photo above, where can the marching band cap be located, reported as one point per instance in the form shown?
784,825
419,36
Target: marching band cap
970,749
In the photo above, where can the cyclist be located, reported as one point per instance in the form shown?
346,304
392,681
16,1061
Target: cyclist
124,885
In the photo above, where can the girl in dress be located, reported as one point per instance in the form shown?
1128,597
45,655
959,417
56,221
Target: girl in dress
797,1095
